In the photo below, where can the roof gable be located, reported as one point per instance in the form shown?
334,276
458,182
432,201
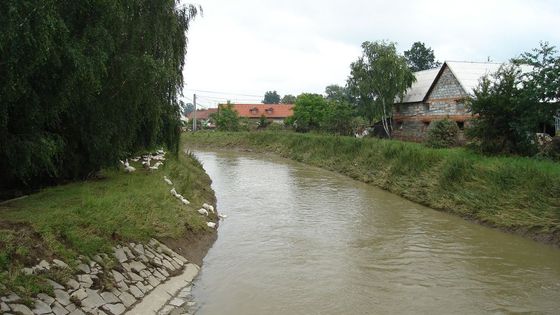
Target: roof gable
449,80
468,74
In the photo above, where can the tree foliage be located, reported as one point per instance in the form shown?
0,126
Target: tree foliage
227,118
288,99
271,97
543,81
377,78
512,104
187,108
338,117
84,83
420,57
309,112
340,111
312,112
507,116
339,93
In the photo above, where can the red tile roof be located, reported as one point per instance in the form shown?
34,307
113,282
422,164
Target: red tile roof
268,110
203,113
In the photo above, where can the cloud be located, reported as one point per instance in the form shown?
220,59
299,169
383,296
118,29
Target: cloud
294,46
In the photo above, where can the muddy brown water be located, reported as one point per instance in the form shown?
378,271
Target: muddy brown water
302,240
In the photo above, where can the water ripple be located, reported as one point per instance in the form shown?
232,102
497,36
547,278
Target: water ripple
301,240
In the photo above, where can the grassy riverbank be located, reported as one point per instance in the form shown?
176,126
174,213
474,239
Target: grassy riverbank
519,195
89,217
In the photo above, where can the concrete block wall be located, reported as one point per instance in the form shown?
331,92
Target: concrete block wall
447,86
411,130
444,101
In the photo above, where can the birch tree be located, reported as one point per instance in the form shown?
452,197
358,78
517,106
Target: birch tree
377,79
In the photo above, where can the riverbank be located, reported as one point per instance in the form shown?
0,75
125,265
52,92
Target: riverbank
516,195
76,222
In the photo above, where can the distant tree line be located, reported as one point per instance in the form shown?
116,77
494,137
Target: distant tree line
85,83
272,97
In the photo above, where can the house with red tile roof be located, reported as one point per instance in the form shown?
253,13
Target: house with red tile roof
274,112
202,114
203,117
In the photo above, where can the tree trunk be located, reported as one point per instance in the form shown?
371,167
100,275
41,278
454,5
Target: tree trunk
384,120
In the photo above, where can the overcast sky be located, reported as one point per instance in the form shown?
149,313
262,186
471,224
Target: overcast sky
294,46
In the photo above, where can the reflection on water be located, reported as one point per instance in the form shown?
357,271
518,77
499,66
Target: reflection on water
301,240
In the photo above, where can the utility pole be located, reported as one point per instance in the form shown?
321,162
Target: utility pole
194,113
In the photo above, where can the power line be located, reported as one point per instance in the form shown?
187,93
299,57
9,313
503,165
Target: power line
212,100
222,100
198,104
225,98
225,93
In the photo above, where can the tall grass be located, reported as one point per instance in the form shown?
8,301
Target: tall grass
89,217
512,193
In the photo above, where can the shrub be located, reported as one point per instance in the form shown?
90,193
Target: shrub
551,149
227,119
308,112
263,122
507,114
443,134
338,117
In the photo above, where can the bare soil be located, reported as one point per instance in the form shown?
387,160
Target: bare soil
25,237
193,245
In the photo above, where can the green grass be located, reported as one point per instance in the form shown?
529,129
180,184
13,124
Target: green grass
516,194
86,218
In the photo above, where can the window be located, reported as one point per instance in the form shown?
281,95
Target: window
426,107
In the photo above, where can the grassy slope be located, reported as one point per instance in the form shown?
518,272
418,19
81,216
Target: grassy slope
89,217
515,194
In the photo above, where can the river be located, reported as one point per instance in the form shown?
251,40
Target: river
303,240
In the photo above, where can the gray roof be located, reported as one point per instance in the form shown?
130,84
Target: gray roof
420,88
467,73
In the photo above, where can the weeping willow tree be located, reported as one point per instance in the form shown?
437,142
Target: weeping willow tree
84,83
377,78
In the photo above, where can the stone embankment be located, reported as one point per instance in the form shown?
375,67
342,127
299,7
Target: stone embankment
140,278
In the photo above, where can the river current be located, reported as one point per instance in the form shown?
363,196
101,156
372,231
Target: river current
303,240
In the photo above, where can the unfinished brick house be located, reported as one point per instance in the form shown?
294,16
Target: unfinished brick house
438,94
